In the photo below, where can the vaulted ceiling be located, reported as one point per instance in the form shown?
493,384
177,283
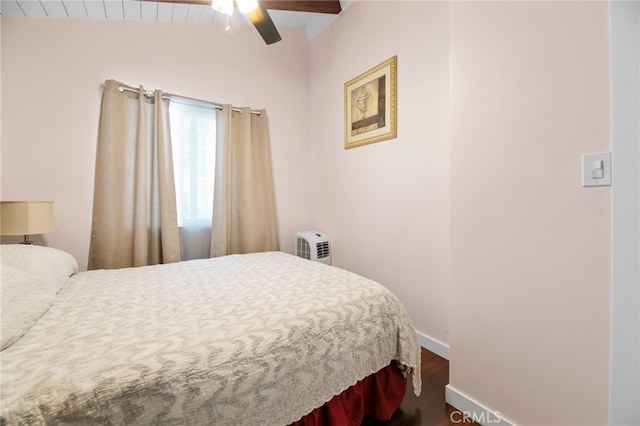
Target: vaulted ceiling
166,11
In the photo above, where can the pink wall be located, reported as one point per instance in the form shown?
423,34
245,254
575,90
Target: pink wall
51,80
530,247
386,205
497,102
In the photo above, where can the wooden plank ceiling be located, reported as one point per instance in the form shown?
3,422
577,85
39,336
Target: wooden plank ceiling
176,11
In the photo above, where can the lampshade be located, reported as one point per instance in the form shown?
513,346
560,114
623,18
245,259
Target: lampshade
26,218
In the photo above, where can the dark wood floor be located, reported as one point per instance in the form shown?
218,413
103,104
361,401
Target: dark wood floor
430,408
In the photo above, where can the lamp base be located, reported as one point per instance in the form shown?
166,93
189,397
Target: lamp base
26,240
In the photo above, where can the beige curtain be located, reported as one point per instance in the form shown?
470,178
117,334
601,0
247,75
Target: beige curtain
244,213
134,207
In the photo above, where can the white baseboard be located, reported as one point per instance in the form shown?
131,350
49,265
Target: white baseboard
461,402
472,410
433,345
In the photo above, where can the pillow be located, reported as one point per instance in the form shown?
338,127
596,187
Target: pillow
53,265
31,276
25,297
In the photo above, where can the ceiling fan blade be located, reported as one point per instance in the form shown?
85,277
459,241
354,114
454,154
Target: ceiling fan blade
263,23
317,6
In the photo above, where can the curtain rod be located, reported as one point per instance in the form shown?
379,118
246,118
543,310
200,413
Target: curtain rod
168,96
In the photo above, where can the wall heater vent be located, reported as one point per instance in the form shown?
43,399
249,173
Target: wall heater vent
314,246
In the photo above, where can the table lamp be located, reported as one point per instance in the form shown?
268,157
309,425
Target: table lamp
26,218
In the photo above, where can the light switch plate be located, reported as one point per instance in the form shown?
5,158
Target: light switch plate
590,176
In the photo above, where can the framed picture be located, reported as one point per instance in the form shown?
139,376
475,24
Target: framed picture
370,106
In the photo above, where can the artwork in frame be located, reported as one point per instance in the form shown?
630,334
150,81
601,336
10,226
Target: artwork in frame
370,105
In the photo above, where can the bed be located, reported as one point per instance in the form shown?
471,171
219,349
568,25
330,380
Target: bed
255,339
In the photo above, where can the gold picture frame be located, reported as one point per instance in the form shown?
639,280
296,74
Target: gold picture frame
370,105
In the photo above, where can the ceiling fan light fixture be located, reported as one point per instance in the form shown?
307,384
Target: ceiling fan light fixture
246,6
224,6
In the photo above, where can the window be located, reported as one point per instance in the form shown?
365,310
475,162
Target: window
193,139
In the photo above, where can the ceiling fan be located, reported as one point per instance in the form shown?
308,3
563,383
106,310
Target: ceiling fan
256,11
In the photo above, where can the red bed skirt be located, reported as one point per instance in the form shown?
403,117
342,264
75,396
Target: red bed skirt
378,395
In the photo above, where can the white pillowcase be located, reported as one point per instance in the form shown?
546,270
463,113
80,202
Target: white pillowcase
54,265
31,276
25,297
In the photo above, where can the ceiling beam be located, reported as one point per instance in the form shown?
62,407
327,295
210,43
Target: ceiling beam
316,6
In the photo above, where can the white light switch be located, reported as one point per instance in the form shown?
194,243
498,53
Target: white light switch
596,169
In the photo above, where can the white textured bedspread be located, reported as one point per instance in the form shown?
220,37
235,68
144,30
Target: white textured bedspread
258,339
